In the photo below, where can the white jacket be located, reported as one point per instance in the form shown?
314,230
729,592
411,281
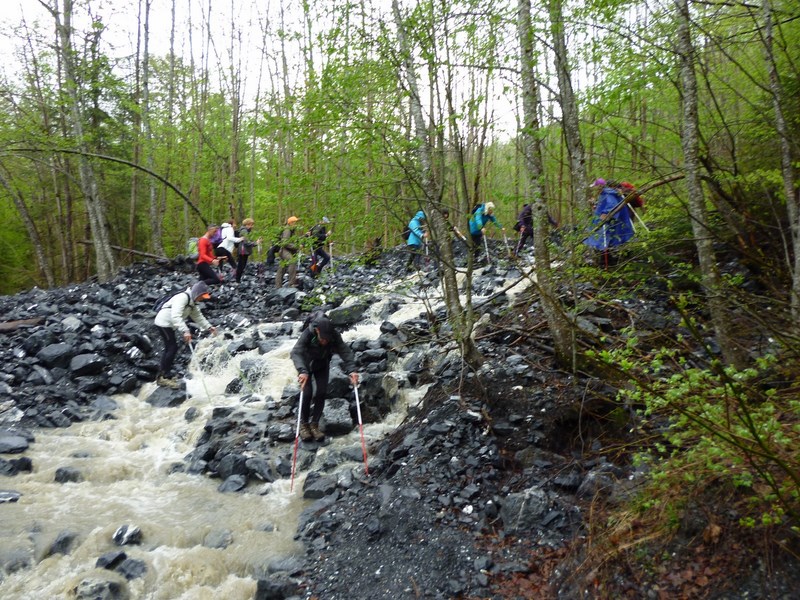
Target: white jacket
173,314
229,237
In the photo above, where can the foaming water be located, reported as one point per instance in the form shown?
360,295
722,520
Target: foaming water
126,468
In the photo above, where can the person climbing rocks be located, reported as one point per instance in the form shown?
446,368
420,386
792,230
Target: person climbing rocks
206,259
416,237
171,317
245,247
311,355
482,215
286,254
319,236
609,231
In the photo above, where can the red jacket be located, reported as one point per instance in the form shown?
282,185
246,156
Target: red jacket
205,253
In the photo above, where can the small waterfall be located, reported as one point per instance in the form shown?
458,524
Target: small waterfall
128,476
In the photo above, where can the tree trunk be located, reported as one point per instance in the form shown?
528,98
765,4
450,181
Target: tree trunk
557,321
690,142
461,318
105,262
33,234
787,165
569,109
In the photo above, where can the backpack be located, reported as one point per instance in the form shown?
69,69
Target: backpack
476,207
216,239
159,304
406,233
191,248
312,316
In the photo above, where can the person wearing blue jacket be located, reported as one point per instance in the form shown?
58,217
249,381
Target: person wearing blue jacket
609,231
415,239
481,217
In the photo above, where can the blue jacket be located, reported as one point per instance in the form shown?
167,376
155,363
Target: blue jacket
617,230
417,233
479,220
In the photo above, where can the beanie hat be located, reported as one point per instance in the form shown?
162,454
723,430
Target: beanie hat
489,206
292,220
212,226
325,327
600,182
200,288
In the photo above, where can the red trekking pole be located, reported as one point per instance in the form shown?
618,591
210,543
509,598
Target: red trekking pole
297,437
361,430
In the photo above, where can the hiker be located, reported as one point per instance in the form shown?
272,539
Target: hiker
609,232
481,216
229,240
286,254
319,235
524,226
245,247
311,356
171,317
416,237
629,193
206,259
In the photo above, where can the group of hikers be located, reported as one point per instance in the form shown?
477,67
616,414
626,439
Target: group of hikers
311,355
221,245
613,210
612,226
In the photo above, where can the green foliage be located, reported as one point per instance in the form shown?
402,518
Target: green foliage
718,425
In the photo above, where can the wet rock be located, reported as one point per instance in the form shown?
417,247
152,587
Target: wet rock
277,587
317,486
96,589
11,443
62,544
164,397
68,475
87,364
111,560
131,568
56,355
9,496
234,483
127,535
219,538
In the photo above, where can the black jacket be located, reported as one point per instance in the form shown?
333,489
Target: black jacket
308,354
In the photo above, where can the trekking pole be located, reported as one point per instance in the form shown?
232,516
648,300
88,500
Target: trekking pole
486,245
330,249
508,248
202,379
641,222
605,246
297,436
361,430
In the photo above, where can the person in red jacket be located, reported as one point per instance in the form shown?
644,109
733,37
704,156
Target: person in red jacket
206,259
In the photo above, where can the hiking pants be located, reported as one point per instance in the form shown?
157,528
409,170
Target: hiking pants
170,349
207,274
524,235
231,260
322,258
241,265
319,376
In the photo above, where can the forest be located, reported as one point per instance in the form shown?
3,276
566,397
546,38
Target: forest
128,125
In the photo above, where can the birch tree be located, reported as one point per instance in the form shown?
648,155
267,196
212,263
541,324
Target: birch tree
530,146
690,141
95,208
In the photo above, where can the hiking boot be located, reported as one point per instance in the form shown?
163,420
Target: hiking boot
318,435
305,433
167,382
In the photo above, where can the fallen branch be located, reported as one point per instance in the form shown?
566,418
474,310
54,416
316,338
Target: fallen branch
128,250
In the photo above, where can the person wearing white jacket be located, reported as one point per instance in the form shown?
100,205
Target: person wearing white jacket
172,317
229,239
